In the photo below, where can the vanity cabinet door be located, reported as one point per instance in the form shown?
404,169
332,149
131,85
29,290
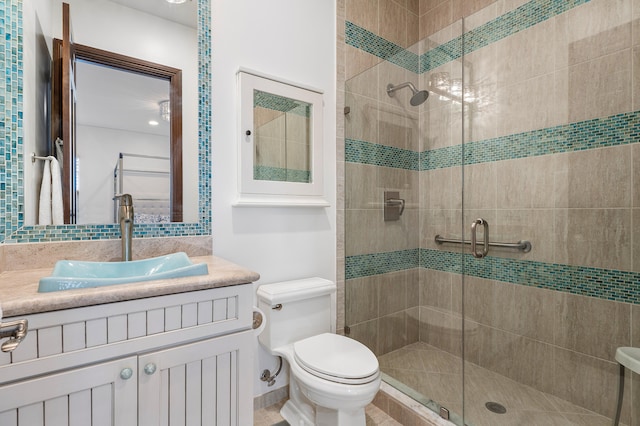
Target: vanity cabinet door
99,395
202,383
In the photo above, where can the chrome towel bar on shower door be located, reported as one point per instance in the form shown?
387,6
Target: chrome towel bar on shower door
523,246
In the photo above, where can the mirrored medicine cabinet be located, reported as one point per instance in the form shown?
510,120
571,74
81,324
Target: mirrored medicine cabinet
280,143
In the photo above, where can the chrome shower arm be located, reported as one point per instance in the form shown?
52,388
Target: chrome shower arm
391,88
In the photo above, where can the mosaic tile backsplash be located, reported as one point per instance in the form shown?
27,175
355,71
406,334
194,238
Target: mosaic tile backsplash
11,151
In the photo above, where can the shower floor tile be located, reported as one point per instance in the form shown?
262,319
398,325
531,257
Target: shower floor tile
431,373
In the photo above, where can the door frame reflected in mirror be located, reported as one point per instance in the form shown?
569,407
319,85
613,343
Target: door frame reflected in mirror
121,63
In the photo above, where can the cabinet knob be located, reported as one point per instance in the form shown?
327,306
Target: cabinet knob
126,373
150,368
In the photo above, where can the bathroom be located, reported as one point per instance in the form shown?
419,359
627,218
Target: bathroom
576,206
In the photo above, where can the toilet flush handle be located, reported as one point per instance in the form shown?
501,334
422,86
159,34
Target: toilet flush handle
277,307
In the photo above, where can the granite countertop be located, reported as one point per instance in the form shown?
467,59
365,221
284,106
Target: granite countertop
19,289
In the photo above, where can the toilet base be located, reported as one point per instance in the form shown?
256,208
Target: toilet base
323,416
295,416
328,417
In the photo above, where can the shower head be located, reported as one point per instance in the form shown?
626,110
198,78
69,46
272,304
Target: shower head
418,96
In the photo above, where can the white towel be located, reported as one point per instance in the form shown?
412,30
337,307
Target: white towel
51,208
56,193
44,214
59,151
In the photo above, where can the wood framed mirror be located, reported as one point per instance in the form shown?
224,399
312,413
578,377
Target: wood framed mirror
63,112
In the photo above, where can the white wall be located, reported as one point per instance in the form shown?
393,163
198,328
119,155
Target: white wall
35,77
295,41
95,193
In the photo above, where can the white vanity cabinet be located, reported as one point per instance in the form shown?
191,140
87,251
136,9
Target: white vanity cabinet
181,359
93,395
192,384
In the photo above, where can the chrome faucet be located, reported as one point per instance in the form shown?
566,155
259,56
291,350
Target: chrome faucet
125,217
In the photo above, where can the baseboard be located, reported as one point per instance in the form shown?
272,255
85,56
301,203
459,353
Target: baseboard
270,398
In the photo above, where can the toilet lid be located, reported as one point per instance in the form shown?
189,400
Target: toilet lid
336,358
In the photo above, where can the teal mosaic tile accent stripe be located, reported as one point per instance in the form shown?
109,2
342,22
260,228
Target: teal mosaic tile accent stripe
381,263
512,22
362,39
281,103
204,122
11,151
620,286
364,152
11,98
281,174
440,55
440,158
609,284
50,233
619,129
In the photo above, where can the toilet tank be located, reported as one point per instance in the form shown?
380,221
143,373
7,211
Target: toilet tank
296,309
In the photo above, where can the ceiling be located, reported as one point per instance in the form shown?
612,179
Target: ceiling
185,13
115,99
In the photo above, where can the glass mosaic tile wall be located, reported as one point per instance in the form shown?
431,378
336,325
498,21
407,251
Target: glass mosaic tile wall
12,155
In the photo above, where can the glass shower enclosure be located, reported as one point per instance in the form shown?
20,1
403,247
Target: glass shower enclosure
491,230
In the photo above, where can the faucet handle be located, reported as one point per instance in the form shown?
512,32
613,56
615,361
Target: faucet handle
125,199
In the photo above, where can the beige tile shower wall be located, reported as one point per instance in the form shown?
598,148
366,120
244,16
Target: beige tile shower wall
282,139
381,311
340,158
635,386
438,14
395,21
578,208
298,137
270,135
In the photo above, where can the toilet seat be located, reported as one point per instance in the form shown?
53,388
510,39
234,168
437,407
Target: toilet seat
336,358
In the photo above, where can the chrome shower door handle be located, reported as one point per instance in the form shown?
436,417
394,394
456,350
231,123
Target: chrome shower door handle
474,231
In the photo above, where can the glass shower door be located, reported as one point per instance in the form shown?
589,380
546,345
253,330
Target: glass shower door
549,162
403,289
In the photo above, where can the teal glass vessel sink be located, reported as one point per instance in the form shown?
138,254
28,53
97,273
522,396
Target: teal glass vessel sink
72,274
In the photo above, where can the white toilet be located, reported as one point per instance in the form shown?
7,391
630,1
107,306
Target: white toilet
332,377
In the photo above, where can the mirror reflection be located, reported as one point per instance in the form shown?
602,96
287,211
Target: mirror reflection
128,130
134,145
282,142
